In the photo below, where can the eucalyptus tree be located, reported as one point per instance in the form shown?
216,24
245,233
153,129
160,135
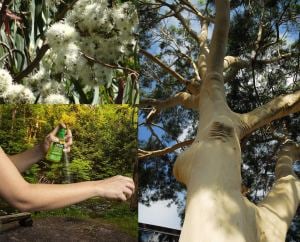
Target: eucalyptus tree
243,83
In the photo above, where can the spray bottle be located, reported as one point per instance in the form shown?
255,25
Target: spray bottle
55,152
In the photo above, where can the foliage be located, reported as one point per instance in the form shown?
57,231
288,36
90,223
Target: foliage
104,139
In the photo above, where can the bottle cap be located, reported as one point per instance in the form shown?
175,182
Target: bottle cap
61,133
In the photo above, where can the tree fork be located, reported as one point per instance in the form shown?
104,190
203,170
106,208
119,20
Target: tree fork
276,211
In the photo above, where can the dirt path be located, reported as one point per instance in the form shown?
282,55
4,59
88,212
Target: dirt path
63,229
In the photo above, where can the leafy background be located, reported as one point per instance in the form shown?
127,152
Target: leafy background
104,145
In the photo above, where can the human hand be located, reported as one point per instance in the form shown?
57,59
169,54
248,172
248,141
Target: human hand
51,137
116,187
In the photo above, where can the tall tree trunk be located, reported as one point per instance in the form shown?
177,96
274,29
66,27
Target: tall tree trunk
216,211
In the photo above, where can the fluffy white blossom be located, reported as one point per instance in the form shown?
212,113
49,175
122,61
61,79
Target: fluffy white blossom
56,99
86,75
18,93
54,60
95,18
50,87
5,80
53,2
61,33
37,77
92,28
71,57
102,73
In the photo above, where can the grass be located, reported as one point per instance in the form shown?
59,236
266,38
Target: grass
114,213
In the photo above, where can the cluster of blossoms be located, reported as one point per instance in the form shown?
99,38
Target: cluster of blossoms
14,93
91,34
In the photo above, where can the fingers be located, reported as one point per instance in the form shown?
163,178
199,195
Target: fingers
62,125
55,130
117,187
130,185
69,138
68,141
128,188
51,138
127,193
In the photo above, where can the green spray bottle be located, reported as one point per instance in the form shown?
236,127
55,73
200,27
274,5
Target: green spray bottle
55,152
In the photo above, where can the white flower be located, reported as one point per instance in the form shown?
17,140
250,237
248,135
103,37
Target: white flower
40,75
127,12
72,54
102,74
86,75
55,60
56,99
53,2
5,80
96,19
50,87
18,93
61,33
92,28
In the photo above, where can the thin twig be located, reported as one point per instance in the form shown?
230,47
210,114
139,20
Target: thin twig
143,154
91,59
3,11
164,66
42,51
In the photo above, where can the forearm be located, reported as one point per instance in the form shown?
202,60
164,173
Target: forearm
27,158
32,197
36,197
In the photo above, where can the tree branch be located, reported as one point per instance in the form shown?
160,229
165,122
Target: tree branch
164,66
197,12
201,62
60,15
240,63
281,203
3,11
143,154
275,109
176,9
152,115
219,40
40,54
93,60
182,98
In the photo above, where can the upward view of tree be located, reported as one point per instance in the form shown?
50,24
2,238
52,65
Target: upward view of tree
72,51
237,66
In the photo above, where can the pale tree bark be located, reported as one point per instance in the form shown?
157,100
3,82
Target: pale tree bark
216,210
276,211
210,168
275,109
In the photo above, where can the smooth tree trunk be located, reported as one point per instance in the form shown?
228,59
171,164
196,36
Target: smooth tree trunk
216,210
